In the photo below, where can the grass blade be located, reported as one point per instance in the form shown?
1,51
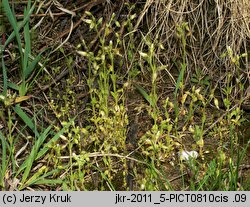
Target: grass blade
32,65
39,179
144,94
4,78
47,182
27,50
12,19
36,154
26,119
55,138
26,19
33,155
180,79
3,166
13,86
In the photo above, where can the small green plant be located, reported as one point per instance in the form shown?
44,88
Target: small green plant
109,119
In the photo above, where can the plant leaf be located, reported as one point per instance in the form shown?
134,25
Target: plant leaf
33,155
13,86
32,66
26,119
143,92
55,138
3,166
